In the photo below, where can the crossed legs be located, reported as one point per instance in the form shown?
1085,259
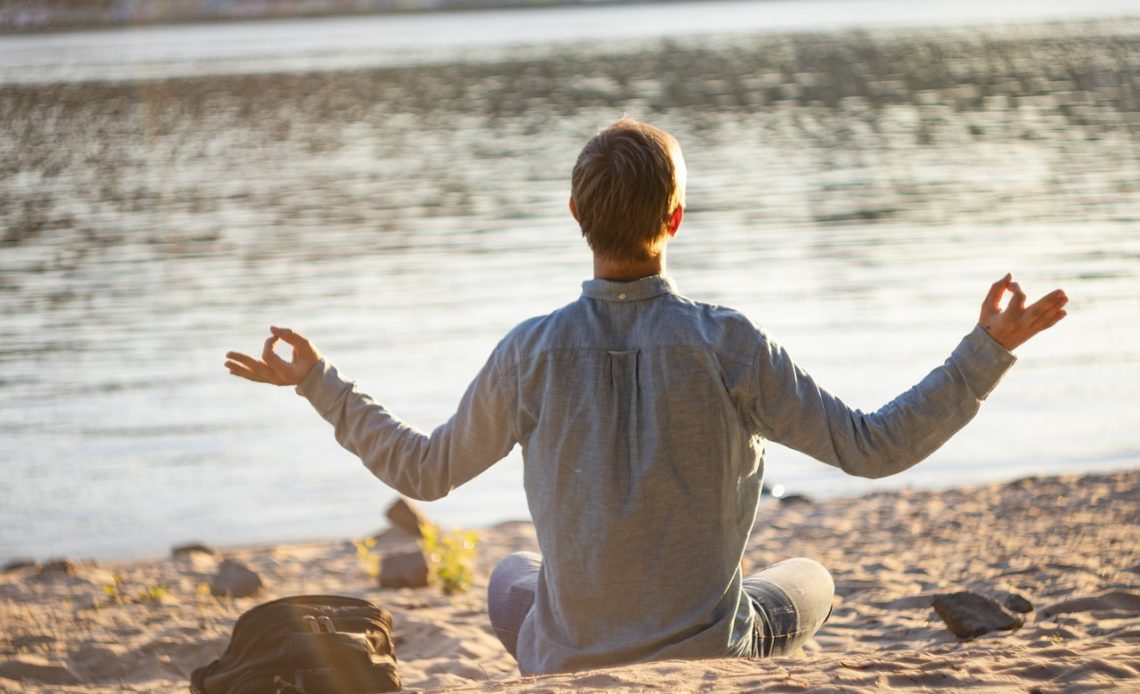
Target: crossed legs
792,600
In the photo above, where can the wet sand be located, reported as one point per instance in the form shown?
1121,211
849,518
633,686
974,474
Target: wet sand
1069,545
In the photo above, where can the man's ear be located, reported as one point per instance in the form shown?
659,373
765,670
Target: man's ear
573,209
674,221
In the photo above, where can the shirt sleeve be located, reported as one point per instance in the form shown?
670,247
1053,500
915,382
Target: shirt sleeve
792,410
418,465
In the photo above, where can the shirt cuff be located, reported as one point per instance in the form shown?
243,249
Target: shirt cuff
322,386
982,361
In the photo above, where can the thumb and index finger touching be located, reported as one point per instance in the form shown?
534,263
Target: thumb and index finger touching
269,356
290,337
992,303
1017,302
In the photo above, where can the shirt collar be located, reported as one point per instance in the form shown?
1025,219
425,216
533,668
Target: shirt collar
637,290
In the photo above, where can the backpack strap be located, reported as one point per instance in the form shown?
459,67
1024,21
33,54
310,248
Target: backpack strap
297,686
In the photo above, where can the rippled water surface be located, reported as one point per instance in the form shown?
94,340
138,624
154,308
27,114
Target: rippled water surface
855,192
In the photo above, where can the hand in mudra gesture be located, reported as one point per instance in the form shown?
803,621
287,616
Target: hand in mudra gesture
272,368
1017,322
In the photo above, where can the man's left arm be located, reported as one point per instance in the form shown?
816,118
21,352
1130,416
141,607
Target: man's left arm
791,409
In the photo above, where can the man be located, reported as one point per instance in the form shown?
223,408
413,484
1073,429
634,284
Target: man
642,416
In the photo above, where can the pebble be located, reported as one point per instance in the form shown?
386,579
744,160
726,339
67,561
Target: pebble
58,567
1016,603
191,548
407,517
969,615
404,570
17,564
235,579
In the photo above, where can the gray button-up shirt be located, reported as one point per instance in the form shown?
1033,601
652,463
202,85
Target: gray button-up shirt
642,417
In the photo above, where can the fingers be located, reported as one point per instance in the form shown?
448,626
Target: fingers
270,357
992,302
1043,313
249,368
1057,319
1047,316
1017,302
290,337
1053,300
236,369
305,354
244,360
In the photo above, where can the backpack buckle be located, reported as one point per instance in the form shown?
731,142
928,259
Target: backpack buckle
320,625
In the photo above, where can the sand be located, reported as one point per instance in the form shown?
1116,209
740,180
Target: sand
1070,545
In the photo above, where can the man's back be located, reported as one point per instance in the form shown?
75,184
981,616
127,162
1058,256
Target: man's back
641,414
642,475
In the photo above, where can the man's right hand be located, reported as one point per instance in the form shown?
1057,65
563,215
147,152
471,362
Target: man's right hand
1016,323
272,368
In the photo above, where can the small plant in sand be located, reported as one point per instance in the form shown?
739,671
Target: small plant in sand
368,557
117,593
450,557
151,594
114,589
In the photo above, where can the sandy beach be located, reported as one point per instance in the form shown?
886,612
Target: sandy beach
1068,545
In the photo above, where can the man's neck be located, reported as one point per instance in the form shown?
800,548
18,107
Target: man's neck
628,270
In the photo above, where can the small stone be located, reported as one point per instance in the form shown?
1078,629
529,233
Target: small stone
795,499
403,515
18,564
58,567
403,570
1016,603
234,579
969,615
191,548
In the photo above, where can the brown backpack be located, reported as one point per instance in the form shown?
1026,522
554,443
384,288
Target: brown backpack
305,644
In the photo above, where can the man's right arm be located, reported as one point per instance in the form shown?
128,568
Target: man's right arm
417,464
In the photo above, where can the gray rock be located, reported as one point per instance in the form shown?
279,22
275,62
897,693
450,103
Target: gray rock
58,567
792,499
403,570
191,548
235,579
969,615
403,515
1016,603
17,564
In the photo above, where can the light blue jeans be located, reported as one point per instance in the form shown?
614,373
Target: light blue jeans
792,600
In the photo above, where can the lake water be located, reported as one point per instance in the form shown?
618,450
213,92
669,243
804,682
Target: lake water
396,189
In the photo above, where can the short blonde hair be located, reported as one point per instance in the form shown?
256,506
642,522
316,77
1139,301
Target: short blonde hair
625,189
